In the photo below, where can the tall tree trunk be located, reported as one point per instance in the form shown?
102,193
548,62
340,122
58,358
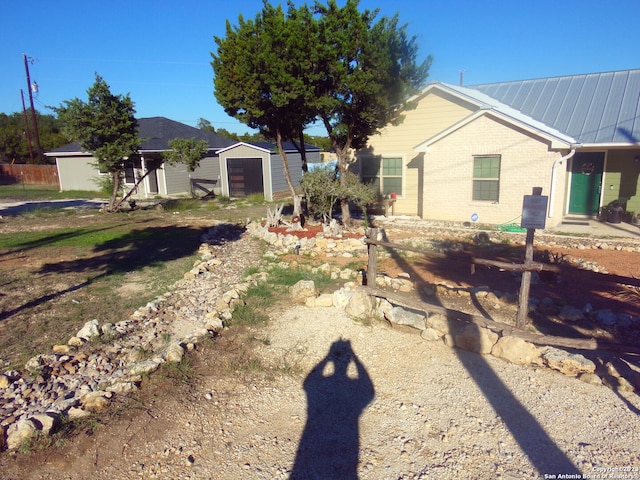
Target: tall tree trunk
342,152
344,202
343,169
297,201
115,177
303,150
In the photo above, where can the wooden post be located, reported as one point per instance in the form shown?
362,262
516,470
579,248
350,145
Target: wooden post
525,286
371,261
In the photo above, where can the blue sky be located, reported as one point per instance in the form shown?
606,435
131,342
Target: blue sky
159,51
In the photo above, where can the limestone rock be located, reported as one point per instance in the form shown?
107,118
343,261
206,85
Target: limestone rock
75,413
76,342
516,350
341,297
46,422
402,316
89,330
606,318
431,334
439,323
360,305
19,432
143,367
302,290
4,381
323,300
590,378
61,349
174,353
475,339
96,402
571,364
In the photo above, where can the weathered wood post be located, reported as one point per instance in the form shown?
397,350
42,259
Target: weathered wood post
371,260
531,212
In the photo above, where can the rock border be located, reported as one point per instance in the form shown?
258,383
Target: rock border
103,362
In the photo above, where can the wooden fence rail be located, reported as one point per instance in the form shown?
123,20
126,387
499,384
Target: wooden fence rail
405,301
30,174
513,267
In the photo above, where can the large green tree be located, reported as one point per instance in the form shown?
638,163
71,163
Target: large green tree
353,73
370,73
259,79
106,127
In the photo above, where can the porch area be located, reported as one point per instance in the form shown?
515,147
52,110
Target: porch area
587,225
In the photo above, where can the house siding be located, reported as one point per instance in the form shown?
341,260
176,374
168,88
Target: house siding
622,179
435,112
78,173
294,159
209,169
176,179
526,162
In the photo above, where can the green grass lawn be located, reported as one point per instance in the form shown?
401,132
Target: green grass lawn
18,192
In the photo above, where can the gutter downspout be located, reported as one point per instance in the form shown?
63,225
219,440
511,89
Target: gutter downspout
556,163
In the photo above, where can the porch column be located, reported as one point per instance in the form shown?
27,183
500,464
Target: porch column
145,181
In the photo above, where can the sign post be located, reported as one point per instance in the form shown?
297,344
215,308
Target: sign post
534,212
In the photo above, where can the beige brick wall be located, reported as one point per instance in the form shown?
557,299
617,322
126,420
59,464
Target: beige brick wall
526,162
434,113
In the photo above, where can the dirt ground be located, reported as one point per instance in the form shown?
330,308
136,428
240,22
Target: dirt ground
166,402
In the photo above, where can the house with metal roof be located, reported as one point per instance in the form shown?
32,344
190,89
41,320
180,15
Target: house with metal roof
470,154
241,170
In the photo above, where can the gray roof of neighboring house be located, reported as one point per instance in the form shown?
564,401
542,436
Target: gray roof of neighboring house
592,108
156,132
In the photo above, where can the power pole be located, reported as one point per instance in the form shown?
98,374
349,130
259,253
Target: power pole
36,136
26,125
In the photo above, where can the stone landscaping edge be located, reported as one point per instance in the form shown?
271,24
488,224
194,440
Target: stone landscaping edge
101,362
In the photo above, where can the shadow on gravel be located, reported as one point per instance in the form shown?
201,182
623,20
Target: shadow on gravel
330,444
541,450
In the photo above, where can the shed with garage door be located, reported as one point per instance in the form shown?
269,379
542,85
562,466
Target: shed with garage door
257,168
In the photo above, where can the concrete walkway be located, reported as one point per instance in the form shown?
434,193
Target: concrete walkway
583,225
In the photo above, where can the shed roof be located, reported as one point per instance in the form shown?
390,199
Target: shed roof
271,147
595,108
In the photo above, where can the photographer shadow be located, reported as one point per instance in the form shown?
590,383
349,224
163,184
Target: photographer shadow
338,389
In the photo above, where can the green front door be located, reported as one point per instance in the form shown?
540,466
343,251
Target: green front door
586,183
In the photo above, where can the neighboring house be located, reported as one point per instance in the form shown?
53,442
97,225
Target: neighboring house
471,153
229,168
